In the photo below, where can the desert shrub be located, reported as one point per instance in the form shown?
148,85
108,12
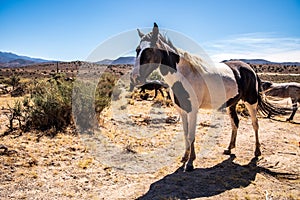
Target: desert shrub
56,103
48,107
83,105
14,81
19,90
51,105
104,91
90,98
15,115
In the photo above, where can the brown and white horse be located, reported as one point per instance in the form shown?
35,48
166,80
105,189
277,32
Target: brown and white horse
284,90
195,83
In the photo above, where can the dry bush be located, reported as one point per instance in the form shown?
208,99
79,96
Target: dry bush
55,103
90,99
51,105
47,107
104,91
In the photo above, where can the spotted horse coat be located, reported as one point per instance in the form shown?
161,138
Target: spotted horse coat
196,83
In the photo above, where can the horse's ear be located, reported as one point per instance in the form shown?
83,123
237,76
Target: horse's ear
155,32
140,33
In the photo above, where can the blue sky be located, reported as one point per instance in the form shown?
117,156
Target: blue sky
225,29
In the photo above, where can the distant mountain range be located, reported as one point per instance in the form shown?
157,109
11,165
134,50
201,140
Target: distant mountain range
264,62
14,60
119,61
8,59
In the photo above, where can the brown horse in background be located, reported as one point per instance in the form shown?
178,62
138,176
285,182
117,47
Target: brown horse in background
284,90
155,85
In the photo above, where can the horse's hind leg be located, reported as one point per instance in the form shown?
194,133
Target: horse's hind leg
252,108
234,124
142,90
161,92
155,93
294,102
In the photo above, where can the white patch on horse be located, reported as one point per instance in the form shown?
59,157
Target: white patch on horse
219,79
171,79
221,84
144,45
229,80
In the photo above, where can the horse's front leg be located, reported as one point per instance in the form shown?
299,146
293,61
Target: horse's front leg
185,157
189,127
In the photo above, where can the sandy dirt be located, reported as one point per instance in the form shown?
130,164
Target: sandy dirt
136,152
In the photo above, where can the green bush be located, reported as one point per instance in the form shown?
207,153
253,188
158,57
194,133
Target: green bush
83,105
56,103
14,81
90,98
104,91
51,105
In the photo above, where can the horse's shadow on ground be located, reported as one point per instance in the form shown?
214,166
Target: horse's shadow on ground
206,182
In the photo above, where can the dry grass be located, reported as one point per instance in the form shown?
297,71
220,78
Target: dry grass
7,100
62,168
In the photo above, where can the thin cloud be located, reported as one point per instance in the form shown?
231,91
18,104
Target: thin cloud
255,45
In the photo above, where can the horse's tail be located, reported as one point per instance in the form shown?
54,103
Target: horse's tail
266,107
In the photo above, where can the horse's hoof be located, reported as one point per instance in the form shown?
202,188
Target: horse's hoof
257,153
189,168
227,152
180,169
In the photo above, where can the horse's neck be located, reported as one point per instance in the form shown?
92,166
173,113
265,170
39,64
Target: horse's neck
171,78
184,72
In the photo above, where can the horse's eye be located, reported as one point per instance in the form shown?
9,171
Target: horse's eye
138,50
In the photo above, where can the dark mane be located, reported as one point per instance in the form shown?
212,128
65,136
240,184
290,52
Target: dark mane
163,41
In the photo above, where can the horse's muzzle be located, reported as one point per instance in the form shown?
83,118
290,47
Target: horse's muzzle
136,80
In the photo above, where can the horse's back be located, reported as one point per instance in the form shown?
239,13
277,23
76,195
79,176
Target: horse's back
246,79
238,66
285,90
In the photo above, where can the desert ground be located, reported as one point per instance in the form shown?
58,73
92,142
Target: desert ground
135,152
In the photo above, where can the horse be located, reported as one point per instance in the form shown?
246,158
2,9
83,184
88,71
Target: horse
196,83
284,90
155,85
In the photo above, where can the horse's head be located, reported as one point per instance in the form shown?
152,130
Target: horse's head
153,51
266,85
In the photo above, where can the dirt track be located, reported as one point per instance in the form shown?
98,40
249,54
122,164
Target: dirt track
136,156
